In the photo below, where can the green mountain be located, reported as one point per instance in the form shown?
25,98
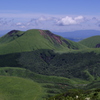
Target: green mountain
92,42
46,62
19,41
43,53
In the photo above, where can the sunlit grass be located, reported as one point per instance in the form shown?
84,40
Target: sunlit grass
15,88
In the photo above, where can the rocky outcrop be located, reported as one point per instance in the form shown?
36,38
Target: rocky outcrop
98,45
13,31
51,35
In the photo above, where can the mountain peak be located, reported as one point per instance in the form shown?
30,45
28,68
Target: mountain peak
19,41
13,31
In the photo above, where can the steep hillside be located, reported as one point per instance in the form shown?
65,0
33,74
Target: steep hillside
19,41
92,42
47,62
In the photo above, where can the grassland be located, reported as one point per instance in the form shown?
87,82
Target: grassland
50,85
15,88
91,42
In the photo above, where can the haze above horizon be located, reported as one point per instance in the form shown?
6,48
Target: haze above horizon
53,15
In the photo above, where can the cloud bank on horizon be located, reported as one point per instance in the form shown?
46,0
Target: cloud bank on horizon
50,22
54,15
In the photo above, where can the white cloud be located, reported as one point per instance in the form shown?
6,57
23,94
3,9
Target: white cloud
45,18
69,20
66,21
42,19
50,22
22,26
79,18
19,24
6,22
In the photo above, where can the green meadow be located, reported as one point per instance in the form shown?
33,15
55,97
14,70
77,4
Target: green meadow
15,88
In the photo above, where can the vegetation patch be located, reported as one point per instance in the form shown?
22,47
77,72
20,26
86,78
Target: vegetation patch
15,88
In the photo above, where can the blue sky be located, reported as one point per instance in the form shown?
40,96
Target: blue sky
54,15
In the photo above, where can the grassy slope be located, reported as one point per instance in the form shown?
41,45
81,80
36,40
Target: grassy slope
8,37
21,72
14,88
33,40
47,62
91,41
26,42
51,85
93,85
67,43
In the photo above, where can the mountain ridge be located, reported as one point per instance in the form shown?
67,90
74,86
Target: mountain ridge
34,39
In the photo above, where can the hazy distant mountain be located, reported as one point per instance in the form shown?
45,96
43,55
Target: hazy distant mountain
79,34
74,39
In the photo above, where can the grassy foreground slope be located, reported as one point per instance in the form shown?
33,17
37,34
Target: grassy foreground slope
25,73
77,94
19,41
15,88
49,85
94,85
92,42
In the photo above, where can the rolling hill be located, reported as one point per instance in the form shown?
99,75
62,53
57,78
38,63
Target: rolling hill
15,88
19,41
91,42
47,85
